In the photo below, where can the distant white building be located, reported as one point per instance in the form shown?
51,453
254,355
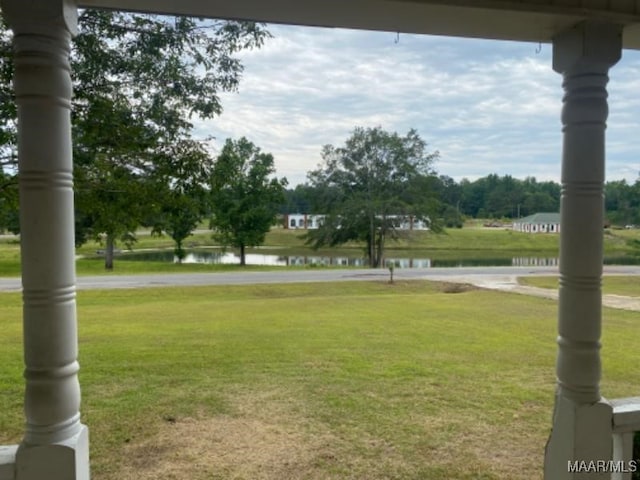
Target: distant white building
538,223
297,221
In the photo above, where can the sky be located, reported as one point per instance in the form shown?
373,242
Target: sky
486,106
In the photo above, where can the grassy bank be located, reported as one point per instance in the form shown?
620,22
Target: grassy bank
316,381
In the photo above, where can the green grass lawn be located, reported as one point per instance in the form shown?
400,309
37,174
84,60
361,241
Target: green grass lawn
611,284
316,381
9,257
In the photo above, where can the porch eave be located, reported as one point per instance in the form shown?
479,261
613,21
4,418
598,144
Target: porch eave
501,20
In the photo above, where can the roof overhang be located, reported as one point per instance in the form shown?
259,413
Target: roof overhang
517,20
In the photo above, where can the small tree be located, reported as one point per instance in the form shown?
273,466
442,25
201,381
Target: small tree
181,211
109,205
245,195
180,195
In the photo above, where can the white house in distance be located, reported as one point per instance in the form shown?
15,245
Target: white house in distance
303,221
538,223
295,221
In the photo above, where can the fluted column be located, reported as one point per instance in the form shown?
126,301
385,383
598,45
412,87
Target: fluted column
582,421
55,444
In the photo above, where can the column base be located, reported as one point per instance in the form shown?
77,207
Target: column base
8,462
582,436
67,460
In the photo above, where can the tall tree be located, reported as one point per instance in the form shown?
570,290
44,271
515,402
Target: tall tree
378,181
138,82
245,195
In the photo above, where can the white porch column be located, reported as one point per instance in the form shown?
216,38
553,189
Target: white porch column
55,445
582,419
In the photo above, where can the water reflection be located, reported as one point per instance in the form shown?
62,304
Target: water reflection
219,257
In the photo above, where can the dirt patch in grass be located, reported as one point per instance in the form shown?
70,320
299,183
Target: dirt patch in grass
224,448
450,287
251,449
261,441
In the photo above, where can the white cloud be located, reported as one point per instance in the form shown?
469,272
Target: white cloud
487,106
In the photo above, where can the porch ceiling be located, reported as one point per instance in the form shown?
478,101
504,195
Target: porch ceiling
520,20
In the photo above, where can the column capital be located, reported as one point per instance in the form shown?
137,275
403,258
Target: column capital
588,44
41,16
